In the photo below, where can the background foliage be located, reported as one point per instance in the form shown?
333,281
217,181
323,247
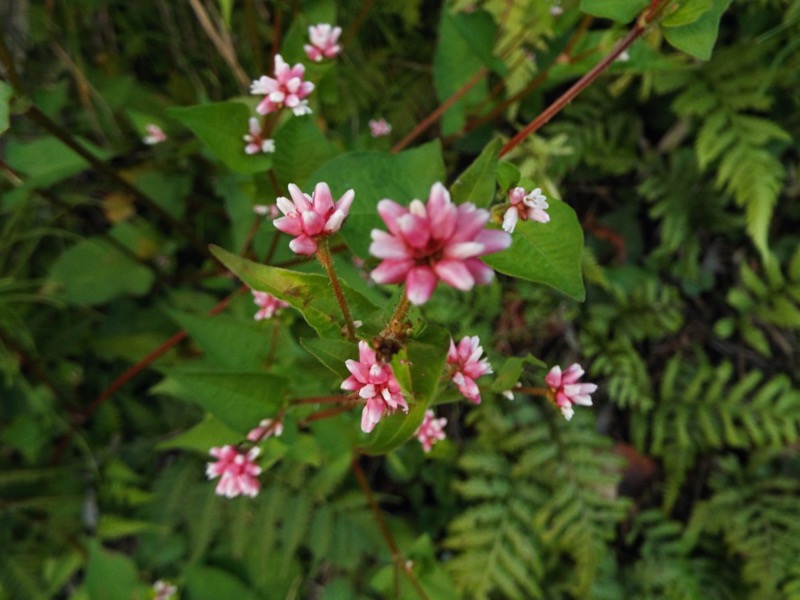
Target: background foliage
680,164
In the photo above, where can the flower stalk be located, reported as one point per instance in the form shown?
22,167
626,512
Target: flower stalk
325,257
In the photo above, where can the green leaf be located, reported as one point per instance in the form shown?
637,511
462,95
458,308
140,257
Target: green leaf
93,272
378,175
229,341
507,176
104,567
207,433
687,12
623,11
418,369
221,126
508,375
332,353
548,253
300,149
6,91
48,160
307,292
209,583
465,47
698,37
476,184
240,400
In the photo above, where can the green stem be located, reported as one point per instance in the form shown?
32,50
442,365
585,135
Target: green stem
324,256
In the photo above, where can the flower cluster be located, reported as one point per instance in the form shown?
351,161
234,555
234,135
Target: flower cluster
434,241
310,218
237,471
324,42
379,127
431,430
566,390
467,364
155,135
376,383
255,140
525,207
268,305
287,89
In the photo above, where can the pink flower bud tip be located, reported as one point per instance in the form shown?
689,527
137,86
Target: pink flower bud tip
375,382
154,135
237,471
287,89
379,127
567,392
324,42
436,241
265,429
310,218
431,430
467,364
255,141
268,305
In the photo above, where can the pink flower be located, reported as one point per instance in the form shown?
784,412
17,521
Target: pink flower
567,391
468,366
163,590
376,383
309,218
324,40
379,127
239,473
255,142
286,89
265,429
431,431
437,241
268,305
154,135
531,206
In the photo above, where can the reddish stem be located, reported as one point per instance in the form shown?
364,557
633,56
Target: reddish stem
635,33
324,414
434,116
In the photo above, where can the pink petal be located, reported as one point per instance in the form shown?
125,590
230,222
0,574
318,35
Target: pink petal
455,273
323,201
482,273
392,271
553,377
303,245
390,211
300,199
493,240
291,225
385,245
420,283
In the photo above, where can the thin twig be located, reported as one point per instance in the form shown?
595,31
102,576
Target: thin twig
397,557
223,45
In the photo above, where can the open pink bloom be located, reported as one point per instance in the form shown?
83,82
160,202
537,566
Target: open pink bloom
379,127
154,135
268,305
255,141
437,241
265,429
431,430
309,218
566,389
375,382
524,207
286,89
468,366
324,40
163,590
237,471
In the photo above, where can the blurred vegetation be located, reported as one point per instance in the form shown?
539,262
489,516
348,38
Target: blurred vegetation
682,481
